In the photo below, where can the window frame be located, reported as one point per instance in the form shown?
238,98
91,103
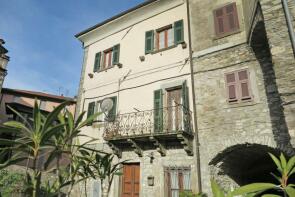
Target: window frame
104,115
164,29
180,177
108,51
227,31
153,39
103,65
238,89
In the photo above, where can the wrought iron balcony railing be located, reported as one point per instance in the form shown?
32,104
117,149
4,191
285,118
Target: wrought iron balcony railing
151,122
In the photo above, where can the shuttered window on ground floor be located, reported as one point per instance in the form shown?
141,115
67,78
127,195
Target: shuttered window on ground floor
177,180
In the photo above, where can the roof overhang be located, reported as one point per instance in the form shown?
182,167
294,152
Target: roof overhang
114,17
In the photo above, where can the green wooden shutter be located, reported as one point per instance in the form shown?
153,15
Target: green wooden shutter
90,112
158,111
97,62
186,110
178,32
113,112
149,41
116,54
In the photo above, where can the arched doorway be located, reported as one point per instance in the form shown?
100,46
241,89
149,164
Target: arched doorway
244,164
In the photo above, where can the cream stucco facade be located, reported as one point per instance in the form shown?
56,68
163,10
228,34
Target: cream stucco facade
134,84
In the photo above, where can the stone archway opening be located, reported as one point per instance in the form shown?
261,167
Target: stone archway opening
246,163
259,43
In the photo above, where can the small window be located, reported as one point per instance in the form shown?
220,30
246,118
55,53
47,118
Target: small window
107,58
109,116
238,86
43,105
226,20
177,180
165,37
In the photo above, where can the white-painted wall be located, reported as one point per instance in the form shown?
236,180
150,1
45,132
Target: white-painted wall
159,70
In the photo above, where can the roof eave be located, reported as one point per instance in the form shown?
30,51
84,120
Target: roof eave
114,17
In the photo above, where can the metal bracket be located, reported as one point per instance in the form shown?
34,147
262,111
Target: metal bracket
136,147
117,151
187,144
160,147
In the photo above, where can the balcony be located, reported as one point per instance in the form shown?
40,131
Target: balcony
160,129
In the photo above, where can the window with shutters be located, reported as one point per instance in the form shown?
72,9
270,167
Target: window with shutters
110,116
90,111
177,179
226,20
238,86
164,37
107,59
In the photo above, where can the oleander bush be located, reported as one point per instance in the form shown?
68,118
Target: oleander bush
285,168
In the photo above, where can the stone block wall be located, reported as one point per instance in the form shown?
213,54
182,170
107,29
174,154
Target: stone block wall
282,56
223,125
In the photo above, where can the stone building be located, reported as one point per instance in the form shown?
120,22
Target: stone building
244,78
3,62
155,67
23,102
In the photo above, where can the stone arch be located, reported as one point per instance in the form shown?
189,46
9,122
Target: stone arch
243,164
258,41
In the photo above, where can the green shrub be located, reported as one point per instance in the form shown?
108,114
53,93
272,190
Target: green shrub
191,194
11,183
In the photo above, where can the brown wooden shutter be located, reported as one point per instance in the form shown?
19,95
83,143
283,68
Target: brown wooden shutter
167,183
244,85
226,19
232,17
231,83
180,180
219,21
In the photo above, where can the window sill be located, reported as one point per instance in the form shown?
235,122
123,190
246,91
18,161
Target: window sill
165,49
216,37
105,69
242,103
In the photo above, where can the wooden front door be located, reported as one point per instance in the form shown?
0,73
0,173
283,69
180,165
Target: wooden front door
131,180
174,102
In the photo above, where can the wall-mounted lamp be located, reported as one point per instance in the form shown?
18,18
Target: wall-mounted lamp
151,180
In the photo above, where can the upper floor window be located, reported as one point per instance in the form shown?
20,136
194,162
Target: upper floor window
238,86
106,59
164,37
95,107
171,109
226,20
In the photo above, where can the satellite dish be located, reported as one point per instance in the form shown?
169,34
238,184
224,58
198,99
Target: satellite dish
106,105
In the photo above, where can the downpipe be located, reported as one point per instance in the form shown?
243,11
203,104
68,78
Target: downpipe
289,24
198,159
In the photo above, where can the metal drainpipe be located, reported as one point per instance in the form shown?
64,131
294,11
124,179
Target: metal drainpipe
194,101
289,24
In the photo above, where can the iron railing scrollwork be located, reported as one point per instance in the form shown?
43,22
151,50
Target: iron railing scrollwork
156,121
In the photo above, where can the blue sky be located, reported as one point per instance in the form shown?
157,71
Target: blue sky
39,34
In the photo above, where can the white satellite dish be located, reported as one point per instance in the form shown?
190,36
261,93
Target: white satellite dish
106,105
